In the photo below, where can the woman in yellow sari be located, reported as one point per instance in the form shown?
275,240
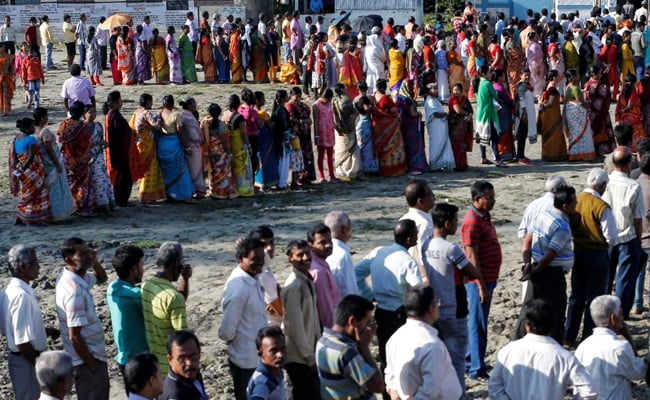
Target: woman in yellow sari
7,84
397,69
242,169
549,121
146,125
237,75
159,64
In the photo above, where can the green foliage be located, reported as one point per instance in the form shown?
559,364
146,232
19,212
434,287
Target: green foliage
446,9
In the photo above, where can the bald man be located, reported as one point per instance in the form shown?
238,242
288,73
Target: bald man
625,198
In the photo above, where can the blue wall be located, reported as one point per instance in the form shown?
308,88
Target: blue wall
515,7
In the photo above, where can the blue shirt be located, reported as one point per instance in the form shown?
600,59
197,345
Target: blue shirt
22,145
441,59
125,306
551,231
498,28
264,385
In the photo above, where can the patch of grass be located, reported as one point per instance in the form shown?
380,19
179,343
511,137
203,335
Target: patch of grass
147,244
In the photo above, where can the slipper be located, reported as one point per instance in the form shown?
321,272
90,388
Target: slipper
486,162
501,164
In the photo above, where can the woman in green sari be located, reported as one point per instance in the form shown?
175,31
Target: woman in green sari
258,59
187,56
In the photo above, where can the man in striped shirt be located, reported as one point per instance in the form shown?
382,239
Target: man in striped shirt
552,257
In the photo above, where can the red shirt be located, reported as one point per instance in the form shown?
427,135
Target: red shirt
30,36
389,31
477,230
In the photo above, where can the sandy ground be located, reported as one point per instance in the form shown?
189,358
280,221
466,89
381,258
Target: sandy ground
208,230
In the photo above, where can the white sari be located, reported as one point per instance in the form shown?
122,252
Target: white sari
440,153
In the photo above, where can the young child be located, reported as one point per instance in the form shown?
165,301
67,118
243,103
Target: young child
267,382
324,133
297,163
21,55
32,77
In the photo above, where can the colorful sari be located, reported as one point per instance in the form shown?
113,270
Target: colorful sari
268,154
413,70
122,159
410,127
205,58
234,53
300,113
506,145
142,61
171,157
146,125
347,157
537,66
57,182
27,180
351,73
188,69
397,69
76,147
93,58
388,142
456,71
242,169
632,116
472,71
549,126
159,63
221,56
174,58
461,132
258,60
363,130
222,184
598,96
7,83
514,63
126,60
577,127
102,186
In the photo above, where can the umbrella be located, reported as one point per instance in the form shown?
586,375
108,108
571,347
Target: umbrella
116,20
366,22
340,20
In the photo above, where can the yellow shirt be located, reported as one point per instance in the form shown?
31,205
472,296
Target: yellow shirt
46,35
68,33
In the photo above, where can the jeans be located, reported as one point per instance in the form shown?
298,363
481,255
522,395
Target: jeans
287,51
23,378
477,329
82,56
240,377
48,55
640,279
624,267
34,89
305,384
453,332
639,64
588,281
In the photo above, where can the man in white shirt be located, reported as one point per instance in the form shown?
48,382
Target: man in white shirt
625,198
611,362
55,374
8,36
267,278
216,24
82,35
194,30
641,12
244,313
340,261
537,364
147,33
142,376
22,322
77,88
102,41
392,271
418,364
420,199
262,30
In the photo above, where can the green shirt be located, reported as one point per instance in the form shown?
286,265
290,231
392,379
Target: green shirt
164,312
485,109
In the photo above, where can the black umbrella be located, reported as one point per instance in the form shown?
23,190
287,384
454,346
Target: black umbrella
366,22
341,19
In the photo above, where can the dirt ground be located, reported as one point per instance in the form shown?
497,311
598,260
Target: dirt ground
209,229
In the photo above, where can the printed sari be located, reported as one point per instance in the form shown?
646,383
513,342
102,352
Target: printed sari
549,126
146,125
222,184
159,63
537,66
234,53
57,182
28,182
7,83
456,71
242,169
76,147
632,116
300,113
142,60
598,95
174,58
188,69
387,140
351,72
577,127
514,64
347,157
102,186
171,157
126,60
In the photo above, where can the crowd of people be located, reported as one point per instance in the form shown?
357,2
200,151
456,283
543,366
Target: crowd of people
425,298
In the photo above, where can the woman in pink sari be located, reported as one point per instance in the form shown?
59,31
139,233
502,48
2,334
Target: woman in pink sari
536,64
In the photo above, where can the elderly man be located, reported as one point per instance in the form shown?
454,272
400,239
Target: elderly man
418,361
392,271
244,313
77,88
142,377
340,261
163,304
537,363
594,230
22,321
81,329
550,258
301,323
184,379
625,197
124,299
420,199
611,362
55,374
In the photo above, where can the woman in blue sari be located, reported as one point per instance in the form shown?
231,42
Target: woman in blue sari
364,131
411,131
269,148
221,51
171,154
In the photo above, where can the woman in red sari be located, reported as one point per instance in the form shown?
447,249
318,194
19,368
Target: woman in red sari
126,57
76,148
460,126
351,71
598,96
628,110
27,178
386,137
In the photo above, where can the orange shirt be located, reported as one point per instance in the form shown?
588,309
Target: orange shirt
32,70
